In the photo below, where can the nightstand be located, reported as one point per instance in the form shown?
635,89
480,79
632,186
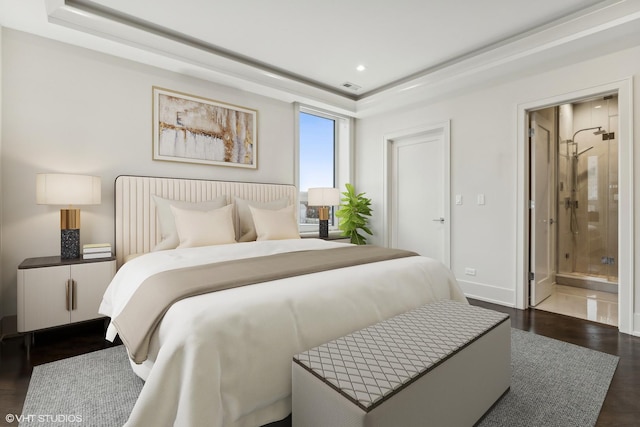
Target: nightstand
54,291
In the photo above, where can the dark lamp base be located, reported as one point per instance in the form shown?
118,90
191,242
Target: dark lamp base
70,243
324,229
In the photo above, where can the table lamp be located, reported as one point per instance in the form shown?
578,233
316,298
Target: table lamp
323,198
70,190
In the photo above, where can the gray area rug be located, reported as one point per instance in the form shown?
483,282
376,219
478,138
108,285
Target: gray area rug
553,384
98,387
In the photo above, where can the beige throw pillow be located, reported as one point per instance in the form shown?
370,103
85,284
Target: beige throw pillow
169,236
204,228
246,228
275,225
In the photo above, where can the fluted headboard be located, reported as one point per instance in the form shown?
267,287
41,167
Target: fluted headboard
136,226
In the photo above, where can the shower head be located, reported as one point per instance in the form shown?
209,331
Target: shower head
600,131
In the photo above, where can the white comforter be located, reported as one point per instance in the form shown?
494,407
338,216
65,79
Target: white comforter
224,359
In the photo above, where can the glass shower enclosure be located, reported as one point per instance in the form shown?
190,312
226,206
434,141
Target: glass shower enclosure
588,194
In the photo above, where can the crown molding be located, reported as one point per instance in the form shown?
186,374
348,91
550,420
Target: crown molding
571,38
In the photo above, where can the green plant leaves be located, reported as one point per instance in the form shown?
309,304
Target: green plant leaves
353,213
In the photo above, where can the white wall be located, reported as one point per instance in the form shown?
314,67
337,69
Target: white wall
484,160
68,109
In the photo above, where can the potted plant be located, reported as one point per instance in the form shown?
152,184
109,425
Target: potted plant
353,213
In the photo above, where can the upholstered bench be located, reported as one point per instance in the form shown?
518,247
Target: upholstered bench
443,364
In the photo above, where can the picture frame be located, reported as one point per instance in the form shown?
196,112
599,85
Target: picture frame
192,129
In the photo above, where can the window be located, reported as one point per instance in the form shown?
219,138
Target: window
317,160
323,159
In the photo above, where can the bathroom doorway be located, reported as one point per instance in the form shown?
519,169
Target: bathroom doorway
574,208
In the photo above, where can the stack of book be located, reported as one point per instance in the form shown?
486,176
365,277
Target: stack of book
96,250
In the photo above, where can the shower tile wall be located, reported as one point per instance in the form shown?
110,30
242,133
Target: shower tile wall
596,238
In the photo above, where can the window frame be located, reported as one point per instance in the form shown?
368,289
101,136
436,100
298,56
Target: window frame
342,162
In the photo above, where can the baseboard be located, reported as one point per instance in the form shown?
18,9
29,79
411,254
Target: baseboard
488,293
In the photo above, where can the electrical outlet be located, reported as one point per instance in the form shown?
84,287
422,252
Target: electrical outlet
470,271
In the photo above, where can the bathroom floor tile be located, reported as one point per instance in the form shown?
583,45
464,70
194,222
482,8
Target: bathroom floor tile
586,304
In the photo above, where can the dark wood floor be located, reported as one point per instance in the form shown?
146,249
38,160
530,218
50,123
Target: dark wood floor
621,406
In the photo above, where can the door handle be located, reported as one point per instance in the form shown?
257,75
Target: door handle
440,220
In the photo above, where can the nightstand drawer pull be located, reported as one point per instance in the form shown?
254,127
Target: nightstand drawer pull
68,299
74,297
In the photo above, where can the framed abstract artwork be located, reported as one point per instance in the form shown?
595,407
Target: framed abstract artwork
188,128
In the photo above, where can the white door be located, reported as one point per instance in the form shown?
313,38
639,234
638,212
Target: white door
542,207
418,192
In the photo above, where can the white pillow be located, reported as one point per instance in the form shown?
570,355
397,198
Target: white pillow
275,225
246,229
204,228
168,232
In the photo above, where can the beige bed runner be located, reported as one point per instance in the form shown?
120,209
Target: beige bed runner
149,303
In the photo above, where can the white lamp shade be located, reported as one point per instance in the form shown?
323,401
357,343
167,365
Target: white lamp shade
323,197
66,189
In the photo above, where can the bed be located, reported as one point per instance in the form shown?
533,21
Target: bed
224,358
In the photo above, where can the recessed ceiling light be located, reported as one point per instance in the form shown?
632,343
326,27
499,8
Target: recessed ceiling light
361,67
598,106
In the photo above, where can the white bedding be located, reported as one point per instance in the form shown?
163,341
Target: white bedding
224,359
